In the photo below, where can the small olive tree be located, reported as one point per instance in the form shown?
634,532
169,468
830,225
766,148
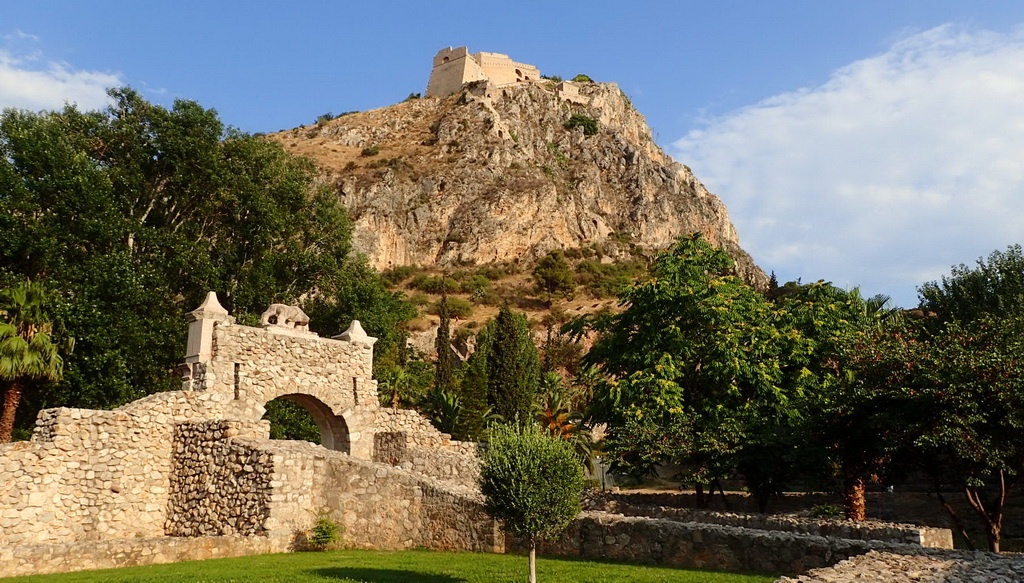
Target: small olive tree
532,483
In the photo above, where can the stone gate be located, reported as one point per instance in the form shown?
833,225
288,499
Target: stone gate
193,473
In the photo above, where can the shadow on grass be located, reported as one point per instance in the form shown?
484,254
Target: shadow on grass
384,575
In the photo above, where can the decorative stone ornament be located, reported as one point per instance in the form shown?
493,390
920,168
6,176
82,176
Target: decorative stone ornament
200,328
356,335
285,316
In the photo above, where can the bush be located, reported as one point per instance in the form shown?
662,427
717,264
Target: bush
457,307
325,532
370,151
827,511
400,273
588,124
581,78
434,284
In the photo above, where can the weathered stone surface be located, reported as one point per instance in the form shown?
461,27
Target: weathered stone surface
492,174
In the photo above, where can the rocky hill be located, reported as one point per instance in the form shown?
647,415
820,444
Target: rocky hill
499,174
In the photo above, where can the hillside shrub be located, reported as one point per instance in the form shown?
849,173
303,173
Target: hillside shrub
588,124
370,151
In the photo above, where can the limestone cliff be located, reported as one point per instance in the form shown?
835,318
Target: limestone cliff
494,174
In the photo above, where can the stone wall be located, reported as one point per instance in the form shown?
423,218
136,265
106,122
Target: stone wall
868,530
85,476
454,67
405,439
198,462
601,535
218,485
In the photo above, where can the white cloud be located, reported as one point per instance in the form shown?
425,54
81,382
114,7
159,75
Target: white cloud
896,168
29,81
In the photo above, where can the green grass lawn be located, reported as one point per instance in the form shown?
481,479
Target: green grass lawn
392,567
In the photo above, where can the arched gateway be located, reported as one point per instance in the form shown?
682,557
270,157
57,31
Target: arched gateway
249,367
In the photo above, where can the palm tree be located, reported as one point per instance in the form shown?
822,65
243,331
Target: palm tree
27,348
557,419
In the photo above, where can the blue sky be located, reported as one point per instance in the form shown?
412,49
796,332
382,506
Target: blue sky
871,143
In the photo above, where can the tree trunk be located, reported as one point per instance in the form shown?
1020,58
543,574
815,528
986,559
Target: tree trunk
698,491
992,516
12,397
854,505
959,524
533,559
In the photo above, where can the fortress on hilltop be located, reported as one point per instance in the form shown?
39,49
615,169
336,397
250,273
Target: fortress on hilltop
454,67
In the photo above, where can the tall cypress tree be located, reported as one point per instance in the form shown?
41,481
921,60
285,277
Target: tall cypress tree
444,371
473,392
513,368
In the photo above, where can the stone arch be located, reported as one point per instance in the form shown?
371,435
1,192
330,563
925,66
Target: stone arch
334,430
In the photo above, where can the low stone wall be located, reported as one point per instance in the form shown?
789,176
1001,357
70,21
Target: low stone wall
16,560
601,535
902,506
380,506
869,530
404,438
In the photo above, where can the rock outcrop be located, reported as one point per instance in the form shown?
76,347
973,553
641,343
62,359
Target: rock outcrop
500,174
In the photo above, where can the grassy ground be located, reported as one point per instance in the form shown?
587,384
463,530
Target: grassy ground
392,567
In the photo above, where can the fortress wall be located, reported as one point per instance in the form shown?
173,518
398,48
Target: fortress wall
86,475
449,77
455,67
501,70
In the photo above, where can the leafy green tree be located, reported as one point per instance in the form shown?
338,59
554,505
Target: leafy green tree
28,349
695,351
532,483
553,275
994,287
131,214
836,428
473,390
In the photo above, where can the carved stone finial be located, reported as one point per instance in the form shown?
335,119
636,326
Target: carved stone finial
210,309
200,329
356,335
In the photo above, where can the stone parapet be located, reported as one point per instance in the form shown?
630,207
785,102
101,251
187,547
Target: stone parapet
868,530
601,535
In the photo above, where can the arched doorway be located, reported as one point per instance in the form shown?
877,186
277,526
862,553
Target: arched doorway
299,412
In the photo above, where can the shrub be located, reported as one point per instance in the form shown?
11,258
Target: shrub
581,78
413,96
588,124
325,532
457,307
827,511
370,151
399,273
